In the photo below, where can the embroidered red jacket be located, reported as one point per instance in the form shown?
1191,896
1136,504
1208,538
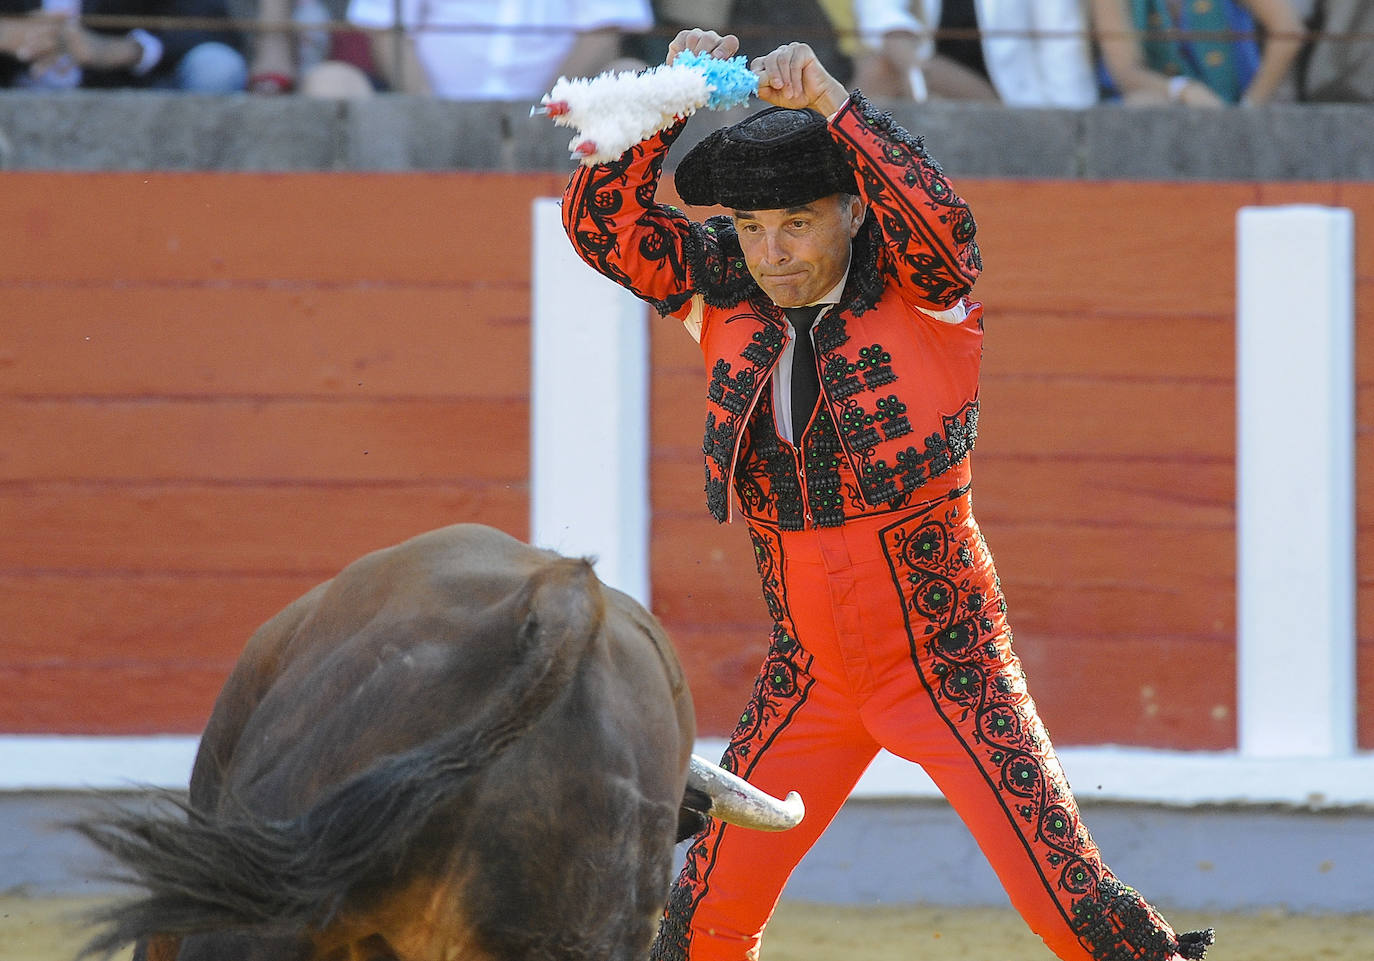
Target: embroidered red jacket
899,386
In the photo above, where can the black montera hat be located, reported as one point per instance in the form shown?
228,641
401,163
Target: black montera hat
776,158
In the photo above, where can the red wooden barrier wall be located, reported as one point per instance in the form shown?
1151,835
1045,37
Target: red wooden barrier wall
217,389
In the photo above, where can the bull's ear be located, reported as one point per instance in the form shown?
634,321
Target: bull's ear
560,603
527,634
691,816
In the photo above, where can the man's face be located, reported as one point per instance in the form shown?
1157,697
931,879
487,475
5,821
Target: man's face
798,253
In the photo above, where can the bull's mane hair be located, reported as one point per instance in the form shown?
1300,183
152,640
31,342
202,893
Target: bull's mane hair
199,870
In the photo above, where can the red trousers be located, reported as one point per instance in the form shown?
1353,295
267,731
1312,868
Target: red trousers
891,633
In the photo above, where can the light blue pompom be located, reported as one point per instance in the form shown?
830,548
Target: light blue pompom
730,81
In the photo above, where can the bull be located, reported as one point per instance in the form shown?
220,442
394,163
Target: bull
459,747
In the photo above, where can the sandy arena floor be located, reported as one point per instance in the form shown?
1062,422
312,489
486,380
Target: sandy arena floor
38,929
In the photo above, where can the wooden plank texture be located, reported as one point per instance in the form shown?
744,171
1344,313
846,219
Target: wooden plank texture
208,439
1147,247
109,618
468,339
195,528
213,228
1152,692
155,698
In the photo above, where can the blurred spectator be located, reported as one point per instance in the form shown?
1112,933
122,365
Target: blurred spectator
1339,65
306,47
496,49
1028,54
43,45
1147,61
827,26
764,25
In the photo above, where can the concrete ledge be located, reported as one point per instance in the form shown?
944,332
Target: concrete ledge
913,851
1198,859
140,130
129,130
1280,142
66,762
1197,831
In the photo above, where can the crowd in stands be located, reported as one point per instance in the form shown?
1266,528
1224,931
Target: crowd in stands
64,44
1046,53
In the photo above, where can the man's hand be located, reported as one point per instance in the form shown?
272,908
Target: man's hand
43,40
703,41
99,51
31,39
793,76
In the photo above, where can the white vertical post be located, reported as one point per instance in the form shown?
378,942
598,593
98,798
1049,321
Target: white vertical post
1295,397
589,488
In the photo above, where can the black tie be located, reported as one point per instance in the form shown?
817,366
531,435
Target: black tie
806,384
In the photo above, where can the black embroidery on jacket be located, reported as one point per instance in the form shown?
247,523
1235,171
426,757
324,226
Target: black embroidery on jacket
734,388
884,483
924,270
768,483
823,460
731,391
891,418
719,271
944,275
765,345
766,480
600,197
717,496
875,367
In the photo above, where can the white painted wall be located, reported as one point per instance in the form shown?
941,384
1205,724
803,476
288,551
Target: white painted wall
1295,473
589,483
1107,773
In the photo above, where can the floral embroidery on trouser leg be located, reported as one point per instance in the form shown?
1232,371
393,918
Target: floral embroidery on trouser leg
1014,795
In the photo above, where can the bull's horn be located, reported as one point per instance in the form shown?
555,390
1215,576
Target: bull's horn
735,800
